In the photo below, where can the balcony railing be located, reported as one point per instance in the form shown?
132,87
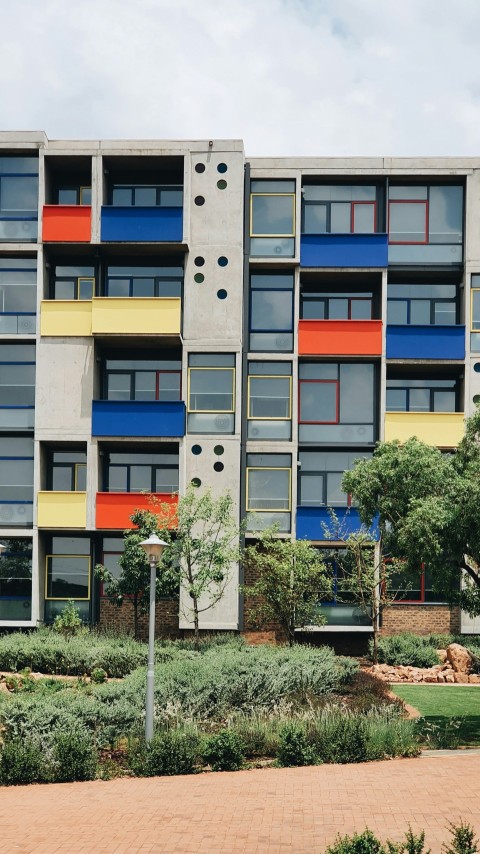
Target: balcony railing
62,510
136,315
64,318
317,524
344,250
67,224
142,225
426,342
340,337
124,418
441,429
113,509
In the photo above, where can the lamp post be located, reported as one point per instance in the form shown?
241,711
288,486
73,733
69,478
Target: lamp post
154,549
3,549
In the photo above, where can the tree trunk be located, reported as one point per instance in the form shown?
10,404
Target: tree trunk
375,642
196,623
135,617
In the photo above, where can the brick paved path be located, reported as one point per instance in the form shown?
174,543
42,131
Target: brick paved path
271,811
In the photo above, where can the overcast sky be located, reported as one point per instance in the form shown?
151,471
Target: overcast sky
306,77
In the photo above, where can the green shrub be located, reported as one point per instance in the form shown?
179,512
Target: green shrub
294,748
22,762
407,649
74,757
224,751
167,754
69,622
464,840
359,843
341,738
98,675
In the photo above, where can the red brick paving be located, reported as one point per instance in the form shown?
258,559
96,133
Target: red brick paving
270,811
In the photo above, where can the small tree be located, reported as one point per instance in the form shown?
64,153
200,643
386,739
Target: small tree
133,585
203,539
291,580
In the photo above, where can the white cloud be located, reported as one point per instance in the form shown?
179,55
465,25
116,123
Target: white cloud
290,77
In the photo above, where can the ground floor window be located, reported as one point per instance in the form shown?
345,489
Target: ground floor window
68,575
16,580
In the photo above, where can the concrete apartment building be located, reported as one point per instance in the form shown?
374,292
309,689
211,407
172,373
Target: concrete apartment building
174,312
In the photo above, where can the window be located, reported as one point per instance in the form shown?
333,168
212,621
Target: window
143,379
112,550
16,580
339,209
272,218
141,472
425,223
142,281
336,605
18,199
336,402
320,477
67,471
17,386
67,575
336,305
147,195
269,491
475,314
16,481
211,393
74,195
73,282
271,312
422,305
422,395
18,295
269,400
417,588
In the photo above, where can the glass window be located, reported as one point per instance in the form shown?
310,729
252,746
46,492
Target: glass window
426,305
141,472
320,476
408,222
445,220
16,580
211,389
143,379
318,401
136,281
336,402
18,194
271,312
68,577
72,282
422,395
17,375
68,196
339,209
268,490
430,216
333,305
272,215
67,471
141,195
269,400
18,199
18,296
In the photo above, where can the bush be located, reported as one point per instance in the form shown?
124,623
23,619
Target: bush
224,751
407,649
74,757
359,843
294,748
98,675
22,762
464,840
341,738
69,622
168,753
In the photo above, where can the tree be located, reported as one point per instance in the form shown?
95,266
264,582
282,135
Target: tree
427,506
292,578
203,543
133,585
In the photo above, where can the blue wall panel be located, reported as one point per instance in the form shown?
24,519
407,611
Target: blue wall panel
137,418
425,342
344,250
142,224
311,522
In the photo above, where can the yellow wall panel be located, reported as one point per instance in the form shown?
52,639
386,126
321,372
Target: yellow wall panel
62,510
443,429
136,316
62,318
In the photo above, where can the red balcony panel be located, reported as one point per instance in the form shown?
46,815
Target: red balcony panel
340,338
114,509
67,223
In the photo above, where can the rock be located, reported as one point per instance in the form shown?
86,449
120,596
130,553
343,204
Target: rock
442,655
459,658
430,678
474,678
462,678
440,677
449,677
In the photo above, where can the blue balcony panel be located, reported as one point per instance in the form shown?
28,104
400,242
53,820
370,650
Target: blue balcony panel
426,342
344,250
142,225
138,418
316,523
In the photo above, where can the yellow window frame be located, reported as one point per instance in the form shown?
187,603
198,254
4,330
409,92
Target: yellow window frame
79,279
270,509
269,377
276,195
64,598
207,368
75,478
82,190
472,328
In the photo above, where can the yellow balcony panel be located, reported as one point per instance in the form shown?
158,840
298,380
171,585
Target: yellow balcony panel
136,316
442,429
62,510
63,318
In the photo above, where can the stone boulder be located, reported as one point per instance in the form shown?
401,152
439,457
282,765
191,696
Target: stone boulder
442,655
459,658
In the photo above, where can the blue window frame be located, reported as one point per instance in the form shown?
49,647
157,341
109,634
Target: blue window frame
18,295
143,281
423,395
146,195
422,305
141,472
16,481
271,312
18,199
16,580
17,386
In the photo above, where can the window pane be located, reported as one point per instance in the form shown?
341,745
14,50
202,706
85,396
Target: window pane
18,195
419,400
476,309
143,288
315,219
85,195
408,222
396,400
145,197
445,214
313,309
17,385
118,287
335,496
269,397
166,480
444,401
413,192
118,387
67,197
445,313
122,197
140,478
117,479
420,312
312,490
318,401
64,290
268,489
211,390
361,309
81,478
397,312
145,385
272,215
62,477
67,577
338,309
340,218
16,480
85,289
364,219
112,563
356,394
169,386
272,310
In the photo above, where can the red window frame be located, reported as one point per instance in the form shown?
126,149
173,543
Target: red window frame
157,382
409,202
421,600
337,400
352,217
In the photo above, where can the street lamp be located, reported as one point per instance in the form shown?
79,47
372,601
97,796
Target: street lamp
154,549
3,549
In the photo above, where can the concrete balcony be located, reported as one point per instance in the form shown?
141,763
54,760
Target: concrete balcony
441,429
66,318
142,225
136,316
426,342
124,418
316,523
62,510
67,224
113,509
344,250
340,337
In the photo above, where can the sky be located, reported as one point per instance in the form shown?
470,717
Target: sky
289,77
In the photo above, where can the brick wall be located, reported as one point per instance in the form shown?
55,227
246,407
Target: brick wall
121,619
421,619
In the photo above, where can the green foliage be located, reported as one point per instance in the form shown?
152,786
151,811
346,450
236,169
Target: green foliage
294,748
168,753
414,844
406,649
22,761
342,739
73,756
98,675
224,751
68,623
359,843
291,575
464,840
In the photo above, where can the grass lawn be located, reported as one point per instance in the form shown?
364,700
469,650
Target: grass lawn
438,703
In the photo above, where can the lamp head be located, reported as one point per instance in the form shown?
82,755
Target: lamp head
153,547
3,549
